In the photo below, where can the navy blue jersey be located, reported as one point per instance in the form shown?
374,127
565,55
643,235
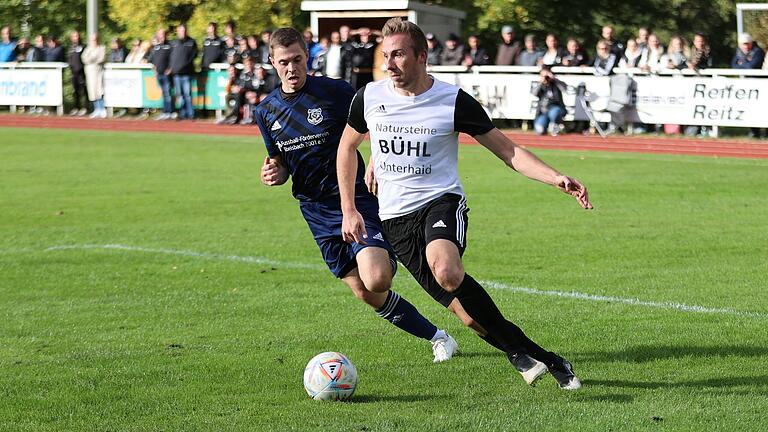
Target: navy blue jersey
305,131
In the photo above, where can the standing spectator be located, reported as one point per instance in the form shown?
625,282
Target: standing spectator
575,54
22,48
553,56
551,107
231,50
453,53
362,59
632,55
117,51
7,45
312,48
642,37
332,68
55,52
76,67
183,53
509,49
748,55
434,50
701,54
139,52
531,55
94,56
615,47
253,47
475,55
318,65
605,60
242,49
650,60
677,54
230,31
346,52
36,53
263,55
213,48
160,57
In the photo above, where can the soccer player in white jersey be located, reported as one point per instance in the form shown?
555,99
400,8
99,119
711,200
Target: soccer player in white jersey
414,121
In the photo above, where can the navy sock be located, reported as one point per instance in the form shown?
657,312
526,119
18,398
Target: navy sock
403,315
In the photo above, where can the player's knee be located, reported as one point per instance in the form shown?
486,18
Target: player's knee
448,277
379,283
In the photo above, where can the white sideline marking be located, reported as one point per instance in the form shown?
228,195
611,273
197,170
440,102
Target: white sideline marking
490,284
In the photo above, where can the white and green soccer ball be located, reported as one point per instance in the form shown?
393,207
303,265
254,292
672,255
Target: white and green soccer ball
330,376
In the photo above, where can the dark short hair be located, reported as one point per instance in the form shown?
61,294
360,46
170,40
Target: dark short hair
397,26
286,37
214,24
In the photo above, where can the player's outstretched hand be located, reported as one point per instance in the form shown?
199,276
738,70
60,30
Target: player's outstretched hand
353,228
575,189
271,173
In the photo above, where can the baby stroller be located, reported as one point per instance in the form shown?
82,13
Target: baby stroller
621,99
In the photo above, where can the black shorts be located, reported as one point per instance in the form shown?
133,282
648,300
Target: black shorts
443,218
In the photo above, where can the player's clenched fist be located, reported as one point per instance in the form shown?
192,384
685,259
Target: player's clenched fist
273,173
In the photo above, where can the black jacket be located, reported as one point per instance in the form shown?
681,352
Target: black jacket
55,54
160,56
74,59
213,52
183,53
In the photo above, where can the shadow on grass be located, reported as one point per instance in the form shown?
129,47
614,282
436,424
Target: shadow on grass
758,382
646,353
372,398
611,398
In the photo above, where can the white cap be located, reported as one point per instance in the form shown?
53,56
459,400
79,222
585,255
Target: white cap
745,38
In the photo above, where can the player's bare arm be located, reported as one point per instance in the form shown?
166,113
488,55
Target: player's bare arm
370,178
273,171
352,226
527,164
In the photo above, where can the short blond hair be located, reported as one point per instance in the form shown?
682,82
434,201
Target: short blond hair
395,26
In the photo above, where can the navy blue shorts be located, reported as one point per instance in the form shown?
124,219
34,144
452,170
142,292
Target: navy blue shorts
324,220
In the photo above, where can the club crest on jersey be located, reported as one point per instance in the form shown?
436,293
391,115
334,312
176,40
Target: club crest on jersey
315,115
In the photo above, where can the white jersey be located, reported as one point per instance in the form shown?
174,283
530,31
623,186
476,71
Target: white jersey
415,141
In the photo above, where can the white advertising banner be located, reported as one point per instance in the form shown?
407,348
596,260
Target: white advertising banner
681,100
27,87
123,88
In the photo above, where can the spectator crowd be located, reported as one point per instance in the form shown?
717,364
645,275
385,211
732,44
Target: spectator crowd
346,53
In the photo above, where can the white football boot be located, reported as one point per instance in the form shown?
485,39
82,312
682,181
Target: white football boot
444,348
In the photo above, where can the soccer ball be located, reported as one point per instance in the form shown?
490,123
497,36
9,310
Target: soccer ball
330,376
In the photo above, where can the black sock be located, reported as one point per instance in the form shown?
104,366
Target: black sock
534,350
482,309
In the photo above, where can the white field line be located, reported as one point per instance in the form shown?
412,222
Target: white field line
490,284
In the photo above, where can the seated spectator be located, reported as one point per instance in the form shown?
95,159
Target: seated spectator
615,47
509,49
531,55
117,52
575,54
701,55
650,60
553,56
605,60
248,88
55,52
7,45
475,55
677,54
748,55
453,53
632,55
253,47
550,108
434,50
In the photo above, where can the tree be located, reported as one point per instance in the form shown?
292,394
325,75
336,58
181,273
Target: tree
251,16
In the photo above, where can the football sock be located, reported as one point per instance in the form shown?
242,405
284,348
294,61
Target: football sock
403,315
534,350
482,309
438,335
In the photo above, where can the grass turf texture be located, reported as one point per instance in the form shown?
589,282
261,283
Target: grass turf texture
115,339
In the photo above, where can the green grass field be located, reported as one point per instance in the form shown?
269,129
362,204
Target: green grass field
149,282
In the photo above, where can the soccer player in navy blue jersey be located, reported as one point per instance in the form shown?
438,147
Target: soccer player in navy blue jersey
301,123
